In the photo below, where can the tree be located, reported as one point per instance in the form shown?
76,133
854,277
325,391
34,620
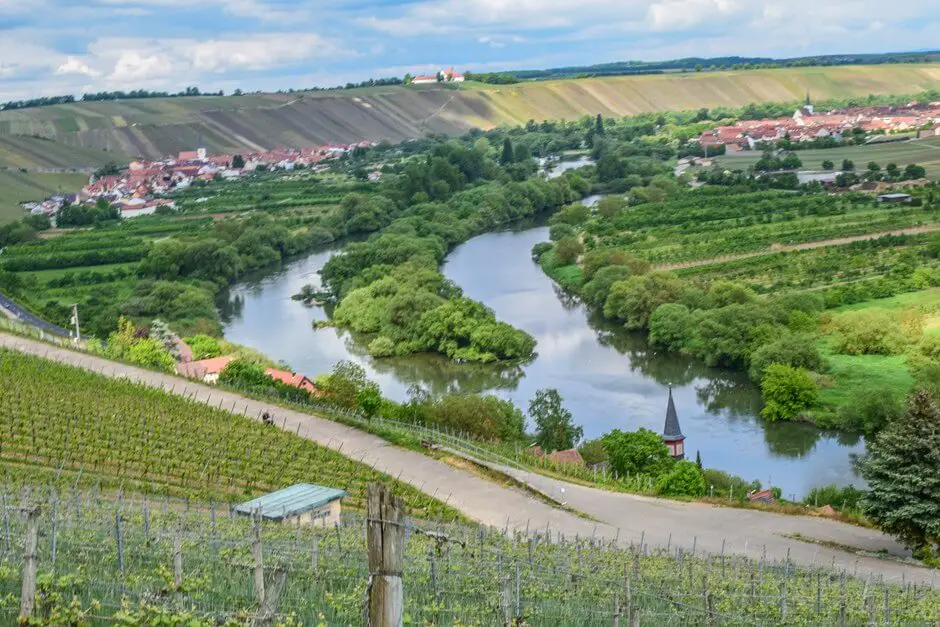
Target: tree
554,428
671,327
828,165
238,162
787,392
873,167
567,250
369,400
893,170
914,171
508,155
902,469
848,165
637,452
599,125
150,353
685,479
799,351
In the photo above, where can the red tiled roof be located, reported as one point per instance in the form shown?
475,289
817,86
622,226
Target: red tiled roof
203,367
291,378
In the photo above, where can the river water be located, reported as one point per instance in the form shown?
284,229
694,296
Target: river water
609,378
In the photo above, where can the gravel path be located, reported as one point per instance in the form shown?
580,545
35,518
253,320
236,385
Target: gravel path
627,517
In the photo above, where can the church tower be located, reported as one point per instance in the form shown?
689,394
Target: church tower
672,434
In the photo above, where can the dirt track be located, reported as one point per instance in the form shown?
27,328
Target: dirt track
914,230
626,517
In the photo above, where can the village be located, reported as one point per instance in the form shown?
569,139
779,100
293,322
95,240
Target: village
142,187
808,125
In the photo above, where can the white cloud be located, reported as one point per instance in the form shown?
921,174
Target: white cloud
74,66
685,14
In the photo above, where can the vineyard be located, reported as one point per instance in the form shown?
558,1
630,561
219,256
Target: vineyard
101,555
67,426
713,222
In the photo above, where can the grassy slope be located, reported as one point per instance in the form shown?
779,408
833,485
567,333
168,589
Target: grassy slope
857,373
17,187
162,126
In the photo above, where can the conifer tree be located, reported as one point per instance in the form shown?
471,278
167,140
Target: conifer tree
508,153
902,469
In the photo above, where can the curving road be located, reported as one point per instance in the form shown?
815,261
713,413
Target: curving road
627,518
14,311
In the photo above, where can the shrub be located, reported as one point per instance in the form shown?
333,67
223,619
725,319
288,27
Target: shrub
637,452
868,333
560,231
671,327
593,452
841,498
567,250
787,391
382,347
870,411
798,351
726,484
685,479
204,347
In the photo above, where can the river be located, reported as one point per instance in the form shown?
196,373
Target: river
609,378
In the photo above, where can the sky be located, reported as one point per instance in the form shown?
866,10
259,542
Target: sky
52,47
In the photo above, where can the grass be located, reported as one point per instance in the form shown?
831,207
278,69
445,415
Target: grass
854,374
17,187
926,300
57,273
925,152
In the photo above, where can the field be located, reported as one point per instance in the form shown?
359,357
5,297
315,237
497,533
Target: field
924,152
154,128
17,187
65,426
104,550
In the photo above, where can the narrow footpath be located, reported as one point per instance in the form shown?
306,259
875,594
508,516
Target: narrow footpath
627,518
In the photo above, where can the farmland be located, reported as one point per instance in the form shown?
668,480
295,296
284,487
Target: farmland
925,152
157,127
69,426
796,250
453,574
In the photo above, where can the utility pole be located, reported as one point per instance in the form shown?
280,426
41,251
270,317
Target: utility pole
78,331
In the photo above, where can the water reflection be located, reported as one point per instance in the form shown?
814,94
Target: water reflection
610,378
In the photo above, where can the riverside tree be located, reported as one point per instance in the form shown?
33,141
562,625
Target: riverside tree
902,469
554,428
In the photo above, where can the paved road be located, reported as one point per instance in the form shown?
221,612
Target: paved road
626,517
14,311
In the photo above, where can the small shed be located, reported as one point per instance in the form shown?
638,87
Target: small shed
895,198
301,504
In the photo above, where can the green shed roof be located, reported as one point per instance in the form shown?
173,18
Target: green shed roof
291,501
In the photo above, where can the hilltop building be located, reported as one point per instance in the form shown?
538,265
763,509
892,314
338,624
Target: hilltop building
672,434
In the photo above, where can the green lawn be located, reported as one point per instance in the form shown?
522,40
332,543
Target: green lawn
926,300
924,152
854,374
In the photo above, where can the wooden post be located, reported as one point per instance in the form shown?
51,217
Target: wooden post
315,557
258,557
28,596
268,609
177,562
120,546
386,546
6,523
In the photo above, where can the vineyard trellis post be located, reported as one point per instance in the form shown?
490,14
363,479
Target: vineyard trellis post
386,548
28,594
177,561
258,557
6,524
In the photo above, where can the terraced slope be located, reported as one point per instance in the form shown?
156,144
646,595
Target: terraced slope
222,124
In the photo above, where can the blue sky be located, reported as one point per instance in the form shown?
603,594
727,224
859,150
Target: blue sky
70,46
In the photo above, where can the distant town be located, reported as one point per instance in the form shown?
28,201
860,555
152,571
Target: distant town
140,189
808,125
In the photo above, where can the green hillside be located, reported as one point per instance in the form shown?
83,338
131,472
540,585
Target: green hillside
156,127
17,187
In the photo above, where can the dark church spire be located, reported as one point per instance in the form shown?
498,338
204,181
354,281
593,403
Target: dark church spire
672,433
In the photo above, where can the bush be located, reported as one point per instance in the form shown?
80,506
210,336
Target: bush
567,250
798,351
540,249
787,391
204,347
593,452
560,231
685,479
671,327
725,484
637,452
868,333
843,499
870,411
382,347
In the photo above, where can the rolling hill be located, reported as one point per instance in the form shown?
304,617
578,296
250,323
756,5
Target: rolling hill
157,127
